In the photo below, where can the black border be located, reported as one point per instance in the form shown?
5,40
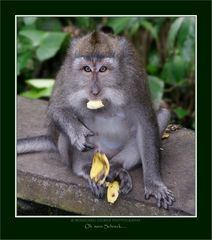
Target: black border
149,228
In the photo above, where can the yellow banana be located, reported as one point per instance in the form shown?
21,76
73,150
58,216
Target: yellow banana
112,191
99,171
100,168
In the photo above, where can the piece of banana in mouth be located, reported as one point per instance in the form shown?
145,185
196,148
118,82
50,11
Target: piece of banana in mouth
95,104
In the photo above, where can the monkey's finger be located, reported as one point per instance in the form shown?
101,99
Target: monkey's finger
158,197
172,198
88,146
98,190
159,203
85,149
80,146
166,201
170,193
89,133
165,205
169,201
166,198
146,196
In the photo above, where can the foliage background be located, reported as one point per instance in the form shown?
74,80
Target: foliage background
166,45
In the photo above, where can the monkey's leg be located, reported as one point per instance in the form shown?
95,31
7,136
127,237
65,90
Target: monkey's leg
35,144
64,149
127,158
163,117
148,143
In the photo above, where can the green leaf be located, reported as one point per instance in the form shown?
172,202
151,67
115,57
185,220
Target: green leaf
40,88
174,70
47,43
188,51
37,93
50,45
152,69
154,62
83,22
24,61
34,36
186,39
134,28
156,86
173,32
40,83
24,45
181,112
150,28
49,24
187,30
119,24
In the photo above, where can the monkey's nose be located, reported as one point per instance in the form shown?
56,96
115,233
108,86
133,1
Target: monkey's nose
95,90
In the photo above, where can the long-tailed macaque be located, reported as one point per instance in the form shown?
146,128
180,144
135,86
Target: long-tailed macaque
127,129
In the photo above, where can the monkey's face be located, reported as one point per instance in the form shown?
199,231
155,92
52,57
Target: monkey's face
97,78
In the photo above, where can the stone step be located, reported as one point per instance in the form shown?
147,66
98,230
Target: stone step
42,178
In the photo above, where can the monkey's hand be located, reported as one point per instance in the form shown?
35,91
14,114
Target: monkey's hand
117,172
163,195
78,137
97,189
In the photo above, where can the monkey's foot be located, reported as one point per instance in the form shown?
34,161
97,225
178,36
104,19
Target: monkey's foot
163,195
126,181
123,177
97,189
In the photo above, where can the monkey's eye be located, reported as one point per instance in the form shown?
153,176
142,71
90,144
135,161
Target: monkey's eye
87,69
103,69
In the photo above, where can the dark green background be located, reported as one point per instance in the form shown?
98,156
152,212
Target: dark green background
194,228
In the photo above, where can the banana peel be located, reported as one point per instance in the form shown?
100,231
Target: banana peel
100,168
112,191
95,104
99,171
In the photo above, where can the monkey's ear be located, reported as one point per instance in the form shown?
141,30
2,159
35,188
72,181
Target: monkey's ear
107,30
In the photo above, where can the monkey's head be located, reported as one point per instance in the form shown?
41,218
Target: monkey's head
99,68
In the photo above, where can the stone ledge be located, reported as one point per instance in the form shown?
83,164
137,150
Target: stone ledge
42,178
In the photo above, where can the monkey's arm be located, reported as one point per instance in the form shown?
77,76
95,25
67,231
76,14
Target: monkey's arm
148,142
70,126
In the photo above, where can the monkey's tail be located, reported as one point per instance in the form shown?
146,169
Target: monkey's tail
42,143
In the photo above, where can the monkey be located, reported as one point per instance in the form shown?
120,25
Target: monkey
100,66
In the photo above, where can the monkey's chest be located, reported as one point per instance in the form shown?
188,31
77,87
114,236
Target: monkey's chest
111,133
